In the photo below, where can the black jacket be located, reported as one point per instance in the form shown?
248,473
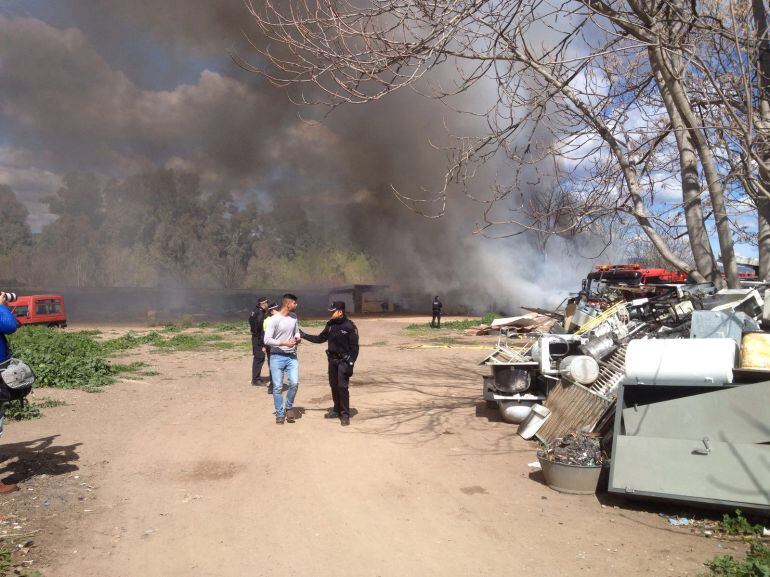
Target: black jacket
257,324
437,306
342,335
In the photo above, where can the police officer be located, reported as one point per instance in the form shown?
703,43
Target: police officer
257,326
436,307
342,352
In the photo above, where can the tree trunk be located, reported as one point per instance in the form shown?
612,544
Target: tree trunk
763,82
691,193
707,161
763,237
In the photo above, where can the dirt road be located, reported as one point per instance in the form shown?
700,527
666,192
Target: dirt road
187,474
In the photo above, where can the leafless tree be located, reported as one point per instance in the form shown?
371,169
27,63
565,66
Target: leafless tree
617,99
729,59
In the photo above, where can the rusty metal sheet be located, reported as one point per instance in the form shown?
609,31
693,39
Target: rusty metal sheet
572,408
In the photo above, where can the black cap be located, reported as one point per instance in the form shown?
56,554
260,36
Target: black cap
272,306
337,306
262,300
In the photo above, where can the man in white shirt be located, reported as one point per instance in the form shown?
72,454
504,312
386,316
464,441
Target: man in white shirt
282,336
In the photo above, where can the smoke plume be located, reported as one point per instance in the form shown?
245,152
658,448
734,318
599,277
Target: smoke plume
117,88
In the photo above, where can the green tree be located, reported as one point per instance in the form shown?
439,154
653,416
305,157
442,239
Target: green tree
15,236
14,232
70,249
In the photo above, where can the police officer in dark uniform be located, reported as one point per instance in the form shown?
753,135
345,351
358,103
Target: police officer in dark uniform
342,352
436,307
257,325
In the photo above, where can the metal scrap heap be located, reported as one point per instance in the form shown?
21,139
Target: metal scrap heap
626,359
574,449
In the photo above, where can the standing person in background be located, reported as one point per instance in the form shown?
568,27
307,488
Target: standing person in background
342,352
8,325
436,306
272,308
257,326
282,336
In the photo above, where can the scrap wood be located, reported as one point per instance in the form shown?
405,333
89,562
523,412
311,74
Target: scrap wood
546,313
531,322
478,331
473,347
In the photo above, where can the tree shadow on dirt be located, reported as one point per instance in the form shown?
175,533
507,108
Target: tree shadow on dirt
422,401
39,457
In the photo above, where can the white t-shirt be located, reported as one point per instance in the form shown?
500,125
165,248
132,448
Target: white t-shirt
280,329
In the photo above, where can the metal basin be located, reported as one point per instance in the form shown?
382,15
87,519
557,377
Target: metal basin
572,479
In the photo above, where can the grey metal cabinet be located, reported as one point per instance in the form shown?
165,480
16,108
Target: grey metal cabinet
696,444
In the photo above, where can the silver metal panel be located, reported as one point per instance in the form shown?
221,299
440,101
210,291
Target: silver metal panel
721,324
611,373
730,474
572,408
738,415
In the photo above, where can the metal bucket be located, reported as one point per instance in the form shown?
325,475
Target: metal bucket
572,479
510,379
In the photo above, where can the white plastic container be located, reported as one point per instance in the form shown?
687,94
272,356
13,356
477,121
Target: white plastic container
680,361
531,425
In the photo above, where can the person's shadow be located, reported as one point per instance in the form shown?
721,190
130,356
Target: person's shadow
39,457
299,412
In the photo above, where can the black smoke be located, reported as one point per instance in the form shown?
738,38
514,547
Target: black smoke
86,93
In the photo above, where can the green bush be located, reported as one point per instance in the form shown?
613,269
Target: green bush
77,360
23,410
756,563
186,342
456,325
7,568
228,327
67,360
489,317
313,323
739,525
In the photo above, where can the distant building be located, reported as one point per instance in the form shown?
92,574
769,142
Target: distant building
362,298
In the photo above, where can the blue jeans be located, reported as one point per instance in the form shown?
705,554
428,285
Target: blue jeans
280,364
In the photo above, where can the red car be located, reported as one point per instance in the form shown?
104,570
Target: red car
40,310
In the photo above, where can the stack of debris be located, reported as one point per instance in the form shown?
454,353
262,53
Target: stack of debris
574,449
675,377
530,322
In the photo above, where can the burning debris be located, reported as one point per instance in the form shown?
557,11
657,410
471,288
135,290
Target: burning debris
627,356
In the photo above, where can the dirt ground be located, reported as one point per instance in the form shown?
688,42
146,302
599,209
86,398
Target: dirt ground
187,474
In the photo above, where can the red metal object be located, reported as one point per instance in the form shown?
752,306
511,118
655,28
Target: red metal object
40,310
635,274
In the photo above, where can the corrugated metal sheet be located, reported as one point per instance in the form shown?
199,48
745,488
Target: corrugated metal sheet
572,408
612,371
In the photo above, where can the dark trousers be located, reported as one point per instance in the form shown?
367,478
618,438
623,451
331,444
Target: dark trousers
259,359
339,381
436,317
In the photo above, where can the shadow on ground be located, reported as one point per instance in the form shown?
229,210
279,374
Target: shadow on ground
21,461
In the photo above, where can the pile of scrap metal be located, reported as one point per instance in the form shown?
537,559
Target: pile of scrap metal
675,378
